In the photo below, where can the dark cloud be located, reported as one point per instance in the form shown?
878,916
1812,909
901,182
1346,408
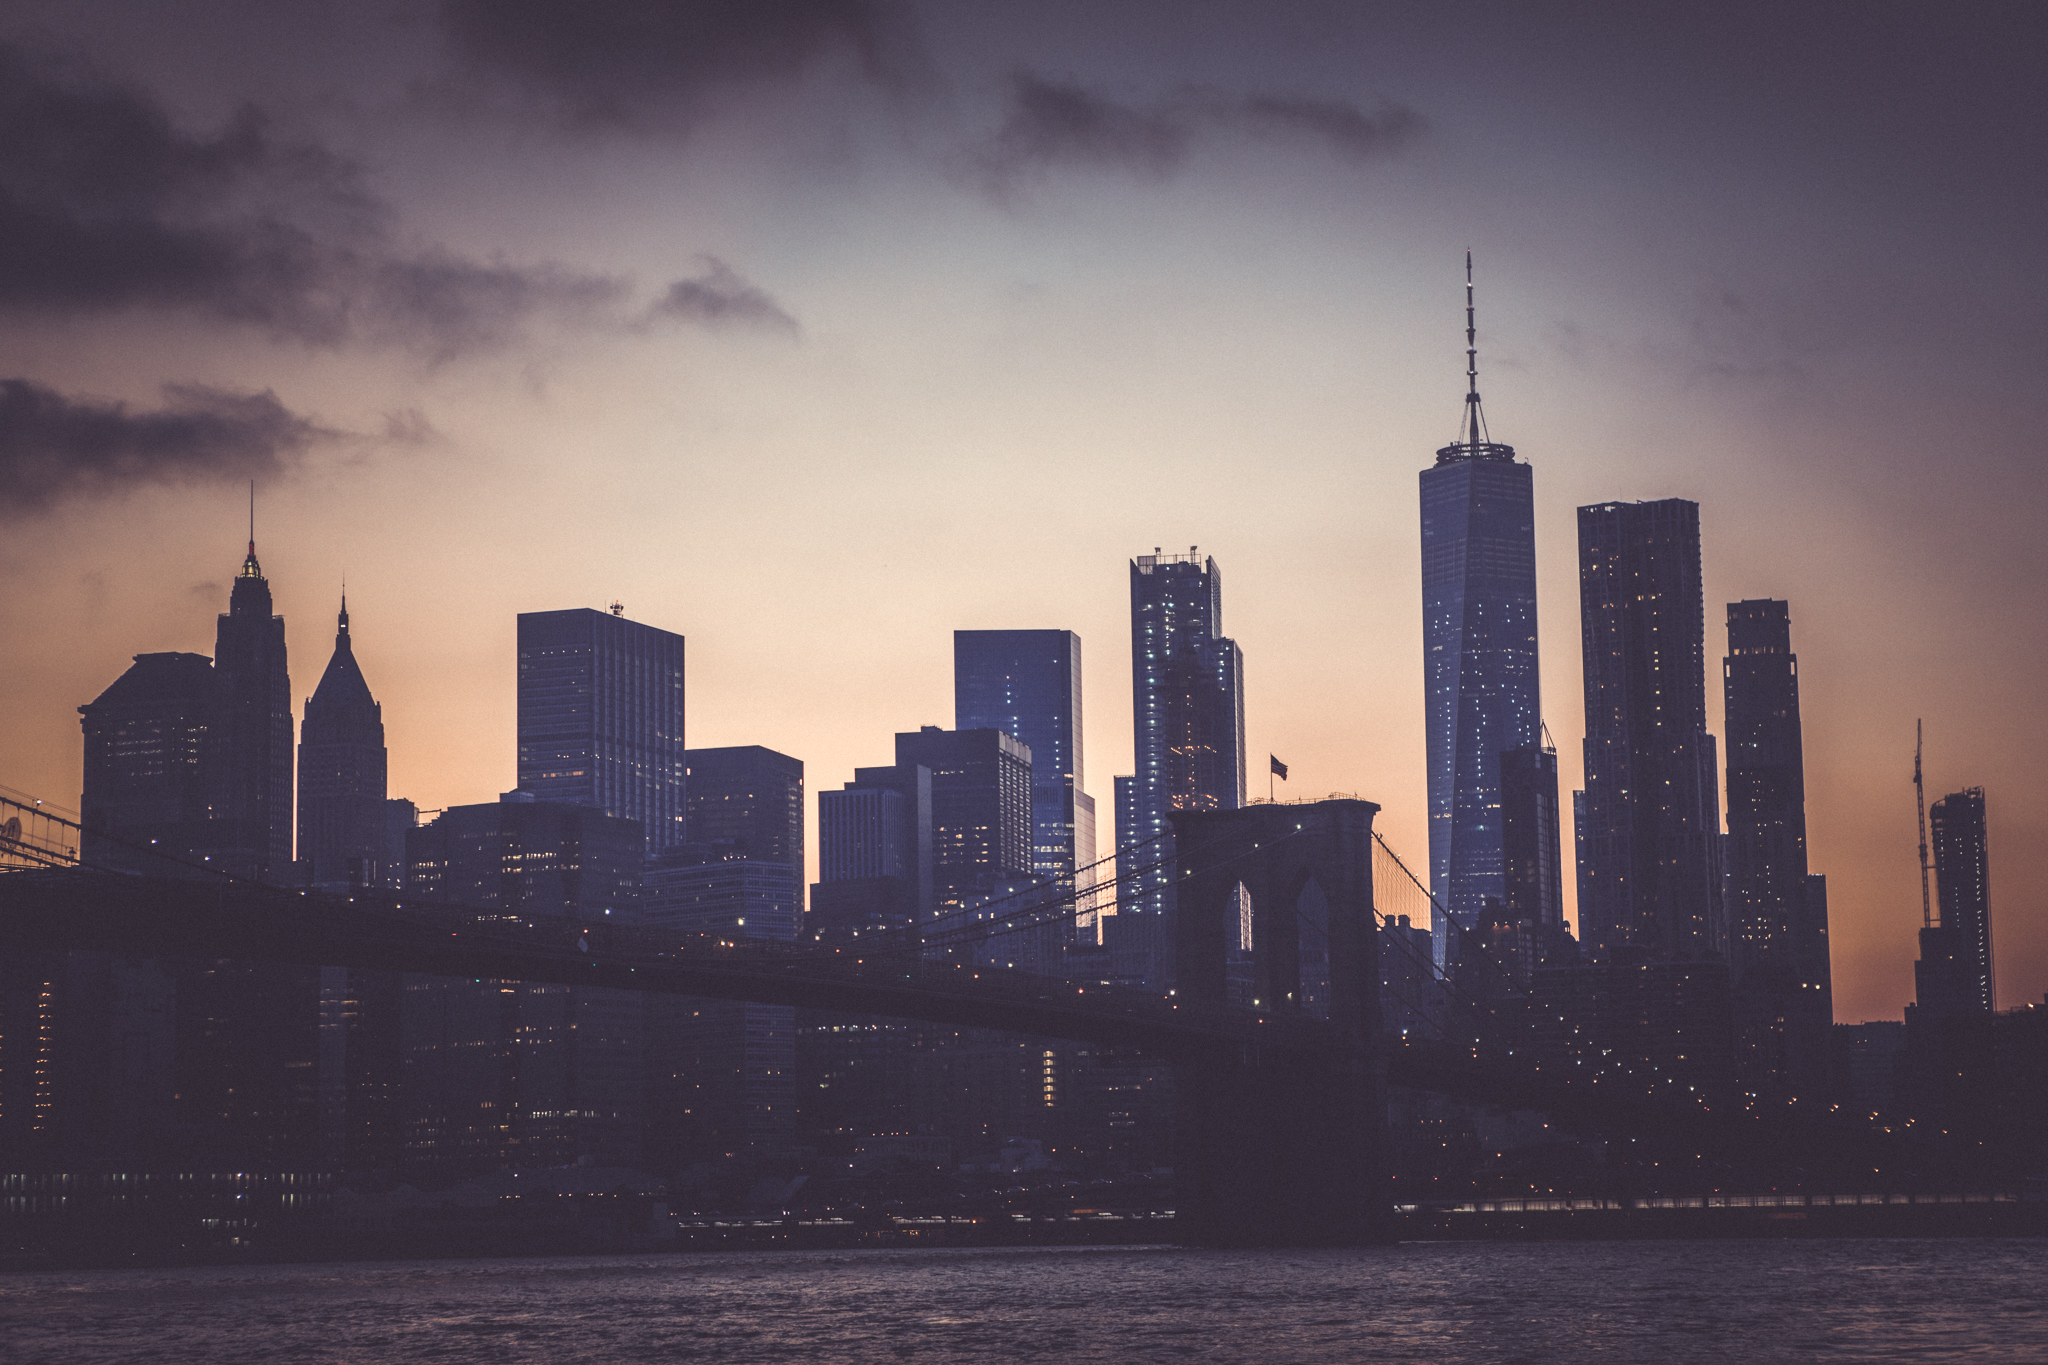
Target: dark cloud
53,448
1053,123
105,205
609,61
718,296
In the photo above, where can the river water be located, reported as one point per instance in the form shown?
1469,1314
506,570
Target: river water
1445,1303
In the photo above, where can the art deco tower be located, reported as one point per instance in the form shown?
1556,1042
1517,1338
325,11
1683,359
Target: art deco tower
1479,641
256,728
342,776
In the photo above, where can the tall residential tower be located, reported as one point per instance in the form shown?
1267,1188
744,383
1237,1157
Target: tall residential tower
1651,876
1027,683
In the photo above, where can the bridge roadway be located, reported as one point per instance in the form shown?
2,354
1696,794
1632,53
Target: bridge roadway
99,911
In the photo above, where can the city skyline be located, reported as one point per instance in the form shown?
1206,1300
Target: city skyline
1253,379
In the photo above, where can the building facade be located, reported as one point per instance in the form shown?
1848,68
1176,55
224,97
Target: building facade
601,718
981,810
1187,703
255,730
1953,975
874,855
1777,911
752,799
1651,876
343,841
1027,683
499,1074
1482,695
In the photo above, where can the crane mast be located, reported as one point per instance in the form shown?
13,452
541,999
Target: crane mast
1920,798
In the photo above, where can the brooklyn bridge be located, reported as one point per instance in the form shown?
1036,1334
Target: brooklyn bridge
1281,1129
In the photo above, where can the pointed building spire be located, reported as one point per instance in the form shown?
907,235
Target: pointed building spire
341,622
250,568
1474,441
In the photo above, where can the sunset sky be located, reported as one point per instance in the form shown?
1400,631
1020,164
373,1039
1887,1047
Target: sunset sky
816,329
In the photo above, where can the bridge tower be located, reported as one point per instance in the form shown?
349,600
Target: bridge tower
1283,1147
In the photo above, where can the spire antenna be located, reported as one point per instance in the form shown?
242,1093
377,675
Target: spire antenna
1474,441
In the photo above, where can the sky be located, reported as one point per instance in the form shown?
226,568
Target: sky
814,330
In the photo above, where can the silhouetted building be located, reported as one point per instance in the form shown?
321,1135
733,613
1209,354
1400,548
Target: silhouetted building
1863,1061
1479,640
1953,975
507,1073
1777,912
1027,683
1187,698
1660,1029
721,1073
981,810
874,855
601,717
753,799
1651,875
153,765
342,837
1532,883
255,730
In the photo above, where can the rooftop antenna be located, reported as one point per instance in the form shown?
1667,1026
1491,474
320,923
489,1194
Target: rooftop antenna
1474,418
1920,798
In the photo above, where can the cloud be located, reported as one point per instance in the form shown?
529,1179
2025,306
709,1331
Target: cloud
1053,123
609,61
106,205
716,297
54,449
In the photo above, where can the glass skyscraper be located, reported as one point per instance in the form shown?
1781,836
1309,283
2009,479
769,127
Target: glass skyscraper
601,718
1027,683
1479,643
1187,702
1651,875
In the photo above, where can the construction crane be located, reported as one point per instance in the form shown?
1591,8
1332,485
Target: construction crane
1920,796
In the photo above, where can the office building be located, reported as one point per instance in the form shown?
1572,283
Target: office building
1027,683
1651,870
981,811
874,855
255,731
153,766
1953,975
1531,909
1187,698
1482,694
1777,911
721,1074
601,717
343,841
752,799
504,1073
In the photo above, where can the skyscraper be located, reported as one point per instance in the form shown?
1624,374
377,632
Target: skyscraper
601,717
1027,683
342,822
1953,975
1652,871
153,764
1187,701
753,799
255,729
981,811
1777,912
507,1073
1479,641
874,854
